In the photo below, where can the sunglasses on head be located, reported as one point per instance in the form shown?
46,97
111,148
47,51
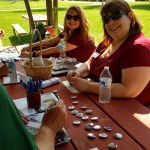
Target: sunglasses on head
113,16
75,18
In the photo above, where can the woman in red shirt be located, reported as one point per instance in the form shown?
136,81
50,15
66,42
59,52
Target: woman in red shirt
126,51
79,43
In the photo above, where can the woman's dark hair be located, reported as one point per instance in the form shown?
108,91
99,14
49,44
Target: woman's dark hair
120,5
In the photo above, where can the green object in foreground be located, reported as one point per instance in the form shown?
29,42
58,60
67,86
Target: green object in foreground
13,133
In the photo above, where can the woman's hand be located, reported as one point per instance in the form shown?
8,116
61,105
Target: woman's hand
24,54
25,49
71,74
24,118
55,119
80,84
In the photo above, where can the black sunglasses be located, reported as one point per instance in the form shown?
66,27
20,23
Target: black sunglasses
114,16
75,18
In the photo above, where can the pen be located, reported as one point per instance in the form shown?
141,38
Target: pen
3,61
24,84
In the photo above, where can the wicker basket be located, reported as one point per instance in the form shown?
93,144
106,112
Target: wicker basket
37,72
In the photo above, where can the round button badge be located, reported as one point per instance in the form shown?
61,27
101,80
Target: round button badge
91,135
103,135
107,128
118,136
112,146
71,107
74,112
76,122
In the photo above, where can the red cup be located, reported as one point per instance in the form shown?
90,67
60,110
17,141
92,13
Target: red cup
34,99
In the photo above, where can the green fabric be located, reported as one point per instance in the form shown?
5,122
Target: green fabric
13,133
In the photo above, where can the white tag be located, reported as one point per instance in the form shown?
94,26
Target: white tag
95,148
95,54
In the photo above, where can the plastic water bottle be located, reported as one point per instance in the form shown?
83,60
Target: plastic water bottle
105,86
12,70
62,46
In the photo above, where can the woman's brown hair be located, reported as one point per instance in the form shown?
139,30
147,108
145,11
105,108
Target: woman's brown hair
84,23
120,5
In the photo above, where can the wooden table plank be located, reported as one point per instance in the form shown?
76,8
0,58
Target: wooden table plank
132,116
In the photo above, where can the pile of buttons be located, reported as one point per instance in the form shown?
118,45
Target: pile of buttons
91,126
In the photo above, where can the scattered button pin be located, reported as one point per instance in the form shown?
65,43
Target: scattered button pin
76,122
95,148
118,136
88,127
96,127
79,115
94,118
71,107
88,112
103,135
83,107
91,135
112,146
85,118
107,128
55,91
75,102
73,97
74,112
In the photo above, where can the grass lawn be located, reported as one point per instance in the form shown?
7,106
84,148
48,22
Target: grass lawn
12,13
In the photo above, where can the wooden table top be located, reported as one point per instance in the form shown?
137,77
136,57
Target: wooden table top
36,17
125,116
131,115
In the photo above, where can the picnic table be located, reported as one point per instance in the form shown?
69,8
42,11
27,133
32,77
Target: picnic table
125,116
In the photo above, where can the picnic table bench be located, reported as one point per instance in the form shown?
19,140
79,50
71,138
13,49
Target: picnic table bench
19,30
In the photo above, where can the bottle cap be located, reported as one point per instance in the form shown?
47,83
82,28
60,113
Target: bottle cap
106,67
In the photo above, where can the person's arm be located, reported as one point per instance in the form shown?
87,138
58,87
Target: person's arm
51,41
45,139
82,71
133,81
53,121
24,118
48,51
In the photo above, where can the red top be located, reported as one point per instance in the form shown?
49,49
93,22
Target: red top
84,50
134,52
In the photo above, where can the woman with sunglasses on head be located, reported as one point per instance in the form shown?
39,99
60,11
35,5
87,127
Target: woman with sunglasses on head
126,51
79,43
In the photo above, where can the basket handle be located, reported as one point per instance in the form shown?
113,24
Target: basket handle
39,35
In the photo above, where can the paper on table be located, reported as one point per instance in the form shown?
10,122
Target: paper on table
36,118
8,52
46,99
6,80
70,87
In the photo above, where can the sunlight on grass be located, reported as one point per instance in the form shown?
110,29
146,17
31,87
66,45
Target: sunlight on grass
12,13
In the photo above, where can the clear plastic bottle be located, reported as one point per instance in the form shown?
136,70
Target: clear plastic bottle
12,70
105,86
62,46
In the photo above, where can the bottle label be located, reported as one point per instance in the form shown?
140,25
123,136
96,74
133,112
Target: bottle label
62,45
105,82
